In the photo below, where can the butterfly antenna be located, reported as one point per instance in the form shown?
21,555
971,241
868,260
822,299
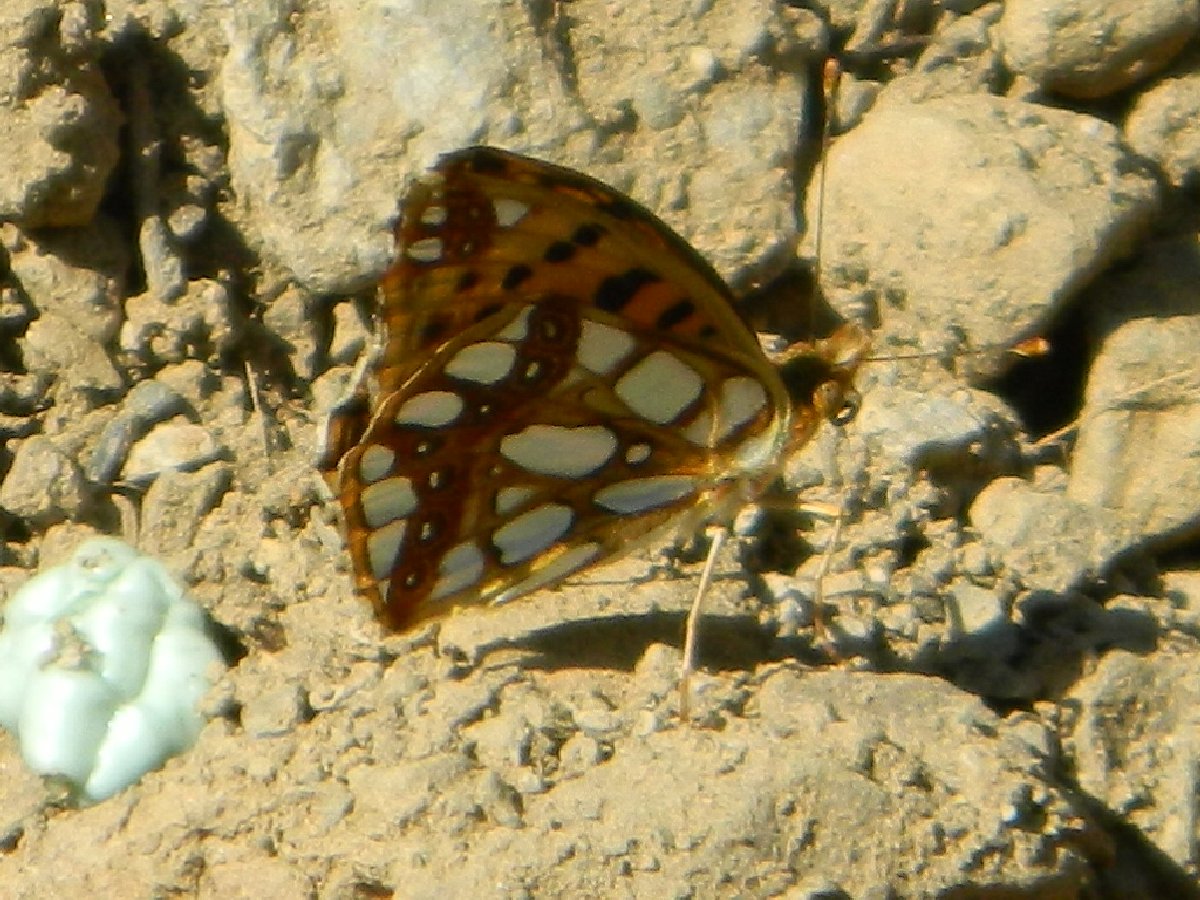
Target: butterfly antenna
1179,378
831,79
691,636
1029,348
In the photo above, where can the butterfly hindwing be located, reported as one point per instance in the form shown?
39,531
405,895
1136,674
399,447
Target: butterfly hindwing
563,377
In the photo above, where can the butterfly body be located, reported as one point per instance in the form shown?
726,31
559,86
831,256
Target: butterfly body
563,379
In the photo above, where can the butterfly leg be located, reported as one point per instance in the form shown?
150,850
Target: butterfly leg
821,636
692,629
128,512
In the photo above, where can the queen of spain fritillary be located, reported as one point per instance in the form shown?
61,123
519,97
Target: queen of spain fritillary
563,378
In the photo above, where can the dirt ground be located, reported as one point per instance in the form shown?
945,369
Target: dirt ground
1002,700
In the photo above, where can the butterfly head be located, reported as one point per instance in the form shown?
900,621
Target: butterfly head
820,377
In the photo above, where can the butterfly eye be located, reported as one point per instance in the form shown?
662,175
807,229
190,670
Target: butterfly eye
851,403
836,403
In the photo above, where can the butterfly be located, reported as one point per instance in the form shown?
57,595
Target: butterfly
562,379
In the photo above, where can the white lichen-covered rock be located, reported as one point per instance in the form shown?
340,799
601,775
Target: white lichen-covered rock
103,662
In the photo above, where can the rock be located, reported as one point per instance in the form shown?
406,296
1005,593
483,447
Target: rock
177,446
1135,740
147,404
43,486
334,237
923,198
1135,455
78,274
1056,45
1050,541
58,109
1162,125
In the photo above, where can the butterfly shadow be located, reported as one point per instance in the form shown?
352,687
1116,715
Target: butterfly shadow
1006,664
618,642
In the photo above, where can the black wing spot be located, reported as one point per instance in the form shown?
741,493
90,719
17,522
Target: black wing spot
617,290
516,276
559,251
675,314
587,235
620,208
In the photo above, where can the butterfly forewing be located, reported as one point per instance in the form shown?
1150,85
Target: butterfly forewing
562,377
488,226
